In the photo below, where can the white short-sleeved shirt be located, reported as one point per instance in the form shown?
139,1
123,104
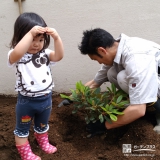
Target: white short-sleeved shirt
33,74
140,59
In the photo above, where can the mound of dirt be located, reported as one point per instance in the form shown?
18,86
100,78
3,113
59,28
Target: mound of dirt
68,133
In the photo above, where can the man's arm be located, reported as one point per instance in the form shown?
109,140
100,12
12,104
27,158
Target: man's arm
131,113
99,79
101,75
92,84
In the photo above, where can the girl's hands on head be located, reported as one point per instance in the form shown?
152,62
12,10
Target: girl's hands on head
52,32
41,30
57,54
37,30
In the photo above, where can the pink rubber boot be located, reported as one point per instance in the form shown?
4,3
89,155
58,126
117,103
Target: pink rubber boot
43,142
26,152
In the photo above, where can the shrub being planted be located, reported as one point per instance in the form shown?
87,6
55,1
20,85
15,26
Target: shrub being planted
97,105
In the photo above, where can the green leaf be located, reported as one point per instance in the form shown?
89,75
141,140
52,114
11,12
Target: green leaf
92,118
104,109
94,121
101,118
110,108
87,108
87,119
74,111
78,85
115,111
102,104
87,91
92,108
113,88
109,90
113,117
120,113
114,104
96,105
121,92
107,107
123,103
107,119
93,102
79,106
97,90
74,94
89,101
72,90
119,99
64,96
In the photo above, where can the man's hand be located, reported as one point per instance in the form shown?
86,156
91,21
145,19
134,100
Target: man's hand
92,84
96,128
65,102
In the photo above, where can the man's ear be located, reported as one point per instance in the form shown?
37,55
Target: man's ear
101,51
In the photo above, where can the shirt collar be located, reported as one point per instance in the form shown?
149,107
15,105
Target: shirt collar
122,38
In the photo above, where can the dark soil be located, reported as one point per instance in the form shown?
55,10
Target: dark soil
68,133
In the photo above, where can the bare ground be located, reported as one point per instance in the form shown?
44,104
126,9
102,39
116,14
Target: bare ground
67,132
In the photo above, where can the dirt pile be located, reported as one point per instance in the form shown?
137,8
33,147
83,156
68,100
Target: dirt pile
67,132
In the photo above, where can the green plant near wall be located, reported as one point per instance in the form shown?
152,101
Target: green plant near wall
98,105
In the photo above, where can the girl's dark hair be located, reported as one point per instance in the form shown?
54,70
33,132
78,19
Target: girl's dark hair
94,38
24,23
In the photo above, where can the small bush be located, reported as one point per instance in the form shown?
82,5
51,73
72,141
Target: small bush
98,105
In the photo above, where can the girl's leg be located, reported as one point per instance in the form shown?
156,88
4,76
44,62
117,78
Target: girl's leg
43,142
20,141
41,126
24,116
26,152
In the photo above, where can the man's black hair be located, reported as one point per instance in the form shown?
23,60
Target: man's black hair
94,38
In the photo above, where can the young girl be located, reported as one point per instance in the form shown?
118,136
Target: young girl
32,59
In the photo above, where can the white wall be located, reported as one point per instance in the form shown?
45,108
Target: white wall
70,17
